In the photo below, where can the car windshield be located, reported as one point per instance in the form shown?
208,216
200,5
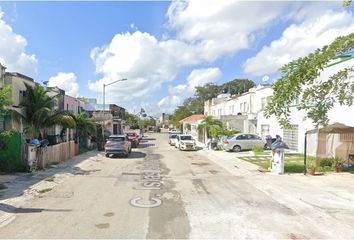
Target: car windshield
186,138
173,136
116,139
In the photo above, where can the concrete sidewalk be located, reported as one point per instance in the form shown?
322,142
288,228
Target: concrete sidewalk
22,187
328,197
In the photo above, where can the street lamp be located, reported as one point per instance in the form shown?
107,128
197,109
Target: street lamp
104,99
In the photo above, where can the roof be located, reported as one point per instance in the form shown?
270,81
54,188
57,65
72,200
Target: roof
19,75
194,117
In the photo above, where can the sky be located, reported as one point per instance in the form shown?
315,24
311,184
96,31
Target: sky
164,49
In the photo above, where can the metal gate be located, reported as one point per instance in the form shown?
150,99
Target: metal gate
291,137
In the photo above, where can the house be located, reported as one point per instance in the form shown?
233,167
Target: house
190,126
17,82
251,106
112,116
239,112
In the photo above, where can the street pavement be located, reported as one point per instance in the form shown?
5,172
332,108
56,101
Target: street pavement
161,192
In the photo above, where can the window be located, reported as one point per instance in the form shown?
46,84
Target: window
242,137
264,103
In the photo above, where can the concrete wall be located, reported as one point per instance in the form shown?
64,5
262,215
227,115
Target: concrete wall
71,104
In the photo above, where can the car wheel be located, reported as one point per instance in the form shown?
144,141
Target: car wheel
236,148
107,155
266,147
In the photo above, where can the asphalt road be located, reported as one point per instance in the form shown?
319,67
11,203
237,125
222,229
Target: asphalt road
159,192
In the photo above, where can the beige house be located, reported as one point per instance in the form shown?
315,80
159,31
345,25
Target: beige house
17,82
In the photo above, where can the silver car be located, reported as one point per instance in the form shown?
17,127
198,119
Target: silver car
243,141
118,145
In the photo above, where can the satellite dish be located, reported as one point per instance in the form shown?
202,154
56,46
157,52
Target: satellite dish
265,78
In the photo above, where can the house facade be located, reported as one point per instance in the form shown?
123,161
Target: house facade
112,116
17,82
190,126
251,107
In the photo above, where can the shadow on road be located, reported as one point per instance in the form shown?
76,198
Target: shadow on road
133,154
145,145
11,209
22,181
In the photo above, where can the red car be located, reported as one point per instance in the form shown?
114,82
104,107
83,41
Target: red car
133,138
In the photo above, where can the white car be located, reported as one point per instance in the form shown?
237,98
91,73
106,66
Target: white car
185,142
172,139
173,131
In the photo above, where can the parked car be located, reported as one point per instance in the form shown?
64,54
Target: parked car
172,139
185,142
117,145
173,131
243,141
133,138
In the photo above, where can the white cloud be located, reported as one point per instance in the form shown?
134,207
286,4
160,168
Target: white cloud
200,77
168,104
300,39
65,81
13,51
221,28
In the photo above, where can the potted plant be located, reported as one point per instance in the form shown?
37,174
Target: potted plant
311,168
337,164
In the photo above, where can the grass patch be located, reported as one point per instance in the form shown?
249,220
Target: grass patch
45,190
49,179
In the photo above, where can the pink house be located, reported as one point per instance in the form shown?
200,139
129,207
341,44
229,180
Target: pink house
71,104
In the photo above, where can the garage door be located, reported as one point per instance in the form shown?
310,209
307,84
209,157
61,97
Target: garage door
291,137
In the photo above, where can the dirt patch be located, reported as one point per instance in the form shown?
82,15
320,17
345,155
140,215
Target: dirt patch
109,214
213,172
200,164
102,225
45,190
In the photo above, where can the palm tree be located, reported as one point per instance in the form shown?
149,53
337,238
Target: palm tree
208,124
85,126
39,112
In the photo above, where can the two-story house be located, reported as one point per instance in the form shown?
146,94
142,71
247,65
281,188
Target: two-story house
17,82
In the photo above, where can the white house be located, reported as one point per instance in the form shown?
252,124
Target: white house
252,104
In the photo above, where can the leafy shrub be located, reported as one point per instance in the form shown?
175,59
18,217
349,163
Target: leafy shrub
327,162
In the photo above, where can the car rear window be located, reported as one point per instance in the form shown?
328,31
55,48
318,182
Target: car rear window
186,138
117,139
131,134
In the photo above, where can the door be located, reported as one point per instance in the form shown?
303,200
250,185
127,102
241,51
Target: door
115,129
291,137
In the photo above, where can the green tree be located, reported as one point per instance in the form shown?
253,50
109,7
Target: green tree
318,95
180,113
85,126
209,125
5,99
131,120
39,111
237,86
